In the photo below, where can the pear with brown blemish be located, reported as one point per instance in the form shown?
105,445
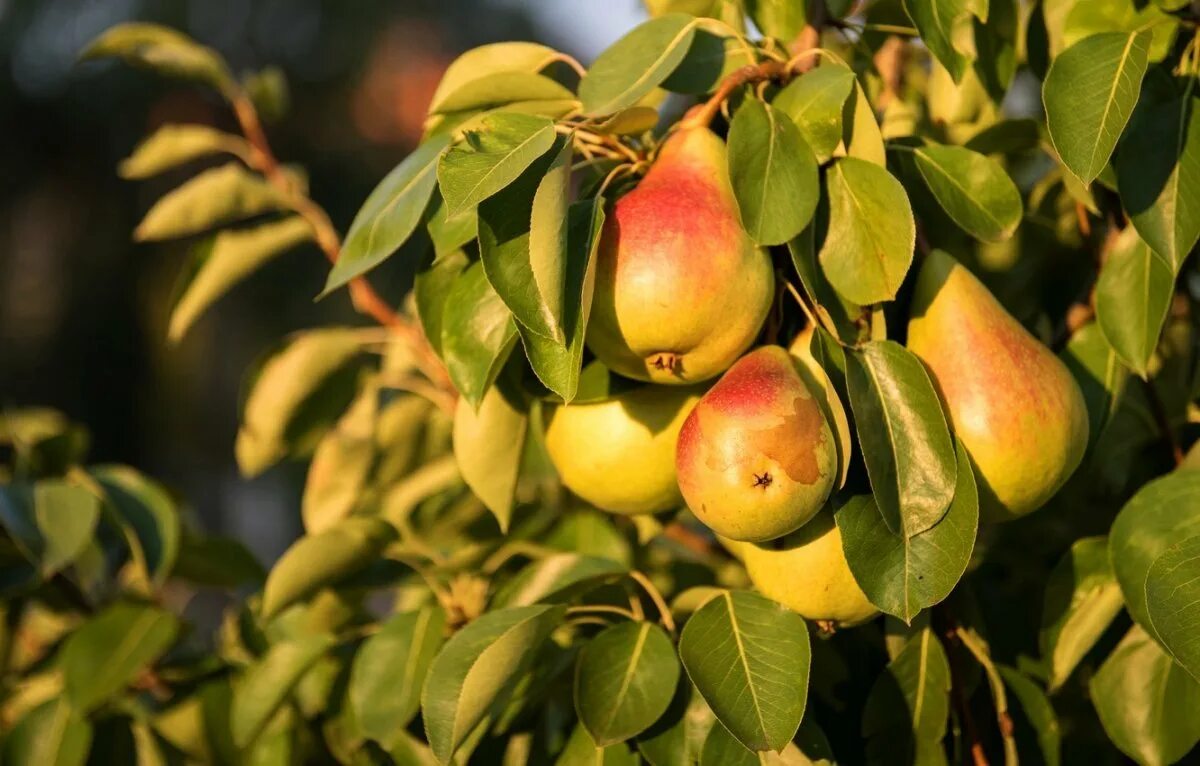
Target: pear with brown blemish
756,457
681,289
1012,402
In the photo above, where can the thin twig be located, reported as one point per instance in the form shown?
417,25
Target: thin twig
664,612
364,298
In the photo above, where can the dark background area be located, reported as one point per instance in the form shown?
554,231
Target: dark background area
83,310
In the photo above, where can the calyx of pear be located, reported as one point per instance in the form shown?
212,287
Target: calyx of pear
756,457
1012,402
807,572
619,453
681,290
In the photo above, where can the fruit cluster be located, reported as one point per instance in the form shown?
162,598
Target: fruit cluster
681,295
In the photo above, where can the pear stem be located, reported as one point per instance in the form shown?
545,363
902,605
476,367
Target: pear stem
664,612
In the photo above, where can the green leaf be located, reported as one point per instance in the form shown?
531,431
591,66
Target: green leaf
1087,19
390,215
500,88
450,233
1039,712
624,680
722,749
491,157
637,63
1146,702
478,333
523,242
173,145
341,464
322,559
266,685
713,55
147,516
910,702
1133,293
431,288
226,258
903,576
860,129
1011,136
815,102
1162,513
488,60
1173,602
557,577
781,19
580,750
558,367
287,380
946,29
749,658
108,651
832,309
52,734
677,738
488,443
389,670
869,245
218,562
213,198
631,121
51,523
1100,374
973,189
1082,599
476,670
773,173
996,42
163,50
905,441
1089,94
1158,173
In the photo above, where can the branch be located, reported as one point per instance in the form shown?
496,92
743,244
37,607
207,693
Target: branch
365,299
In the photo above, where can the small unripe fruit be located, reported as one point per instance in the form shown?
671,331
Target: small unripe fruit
619,453
807,572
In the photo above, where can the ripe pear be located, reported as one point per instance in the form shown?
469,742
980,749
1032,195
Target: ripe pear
756,457
681,289
807,572
619,453
1013,404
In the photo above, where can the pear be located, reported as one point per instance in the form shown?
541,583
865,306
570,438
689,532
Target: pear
1012,402
807,572
681,289
756,457
619,453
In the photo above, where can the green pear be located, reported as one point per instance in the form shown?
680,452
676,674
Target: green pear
619,453
807,572
1012,402
756,456
681,289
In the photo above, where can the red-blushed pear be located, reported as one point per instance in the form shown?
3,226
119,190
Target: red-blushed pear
807,572
681,289
1013,404
619,453
756,457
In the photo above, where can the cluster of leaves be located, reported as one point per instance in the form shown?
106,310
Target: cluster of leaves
450,602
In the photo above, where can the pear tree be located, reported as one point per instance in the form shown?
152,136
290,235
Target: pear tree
797,382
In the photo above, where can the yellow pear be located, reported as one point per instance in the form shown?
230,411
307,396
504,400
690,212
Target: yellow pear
681,289
1012,402
619,453
756,457
807,572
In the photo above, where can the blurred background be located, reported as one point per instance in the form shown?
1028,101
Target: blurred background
83,310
